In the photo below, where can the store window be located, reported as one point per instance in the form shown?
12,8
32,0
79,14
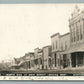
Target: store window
56,44
80,32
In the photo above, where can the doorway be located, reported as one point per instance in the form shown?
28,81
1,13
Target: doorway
73,58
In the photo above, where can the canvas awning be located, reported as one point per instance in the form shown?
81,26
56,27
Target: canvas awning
17,65
75,48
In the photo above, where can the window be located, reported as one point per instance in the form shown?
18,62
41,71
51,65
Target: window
77,33
83,28
52,46
65,45
61,46
74,34
56,44
58,62
40,61
80,33
71,36
49,62
55,59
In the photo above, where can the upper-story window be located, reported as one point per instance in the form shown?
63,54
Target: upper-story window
56,44
80,32
77,32
61,46
74,34
53,46
65,45
71,36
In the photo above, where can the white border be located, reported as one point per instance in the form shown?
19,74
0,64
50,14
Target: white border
45,78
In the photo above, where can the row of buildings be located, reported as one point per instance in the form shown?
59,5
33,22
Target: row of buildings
65,52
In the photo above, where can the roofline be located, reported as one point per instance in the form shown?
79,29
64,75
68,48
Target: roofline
65,34
55,35
36,48
29,53
47,46
40,51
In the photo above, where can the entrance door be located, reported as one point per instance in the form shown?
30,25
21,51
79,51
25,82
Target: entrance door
73,58
55,59
80,59
64,61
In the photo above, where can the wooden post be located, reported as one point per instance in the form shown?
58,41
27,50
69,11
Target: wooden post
70,60
76,60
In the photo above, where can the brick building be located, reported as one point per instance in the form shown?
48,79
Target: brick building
60,43
47,60
55,50
24,63
64,45
75,53
38,58
76,25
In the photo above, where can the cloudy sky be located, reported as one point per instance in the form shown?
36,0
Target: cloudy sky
24,27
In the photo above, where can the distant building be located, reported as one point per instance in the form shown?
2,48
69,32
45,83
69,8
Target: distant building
32,61
38,58
24,63
60,43
47,60
64,46
29,60
55,40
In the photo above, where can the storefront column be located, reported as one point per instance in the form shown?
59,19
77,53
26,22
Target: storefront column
38,63
61,61
70,61
76,60
83,59
53,61
57,61
67,60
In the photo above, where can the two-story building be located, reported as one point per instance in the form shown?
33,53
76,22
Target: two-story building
60,43
47,59
76,49
76,25
38,58
55,50
25,62
29,60
64,46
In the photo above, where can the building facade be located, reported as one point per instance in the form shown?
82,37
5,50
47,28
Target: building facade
47,60
24,63
60,43
64,46
55,39
76,25
75,53
65,52
38,58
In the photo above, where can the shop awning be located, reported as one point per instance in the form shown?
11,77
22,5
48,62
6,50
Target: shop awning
75,48
17,65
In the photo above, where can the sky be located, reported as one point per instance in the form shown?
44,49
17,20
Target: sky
24,27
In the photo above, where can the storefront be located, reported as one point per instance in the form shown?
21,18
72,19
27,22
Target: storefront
74,56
